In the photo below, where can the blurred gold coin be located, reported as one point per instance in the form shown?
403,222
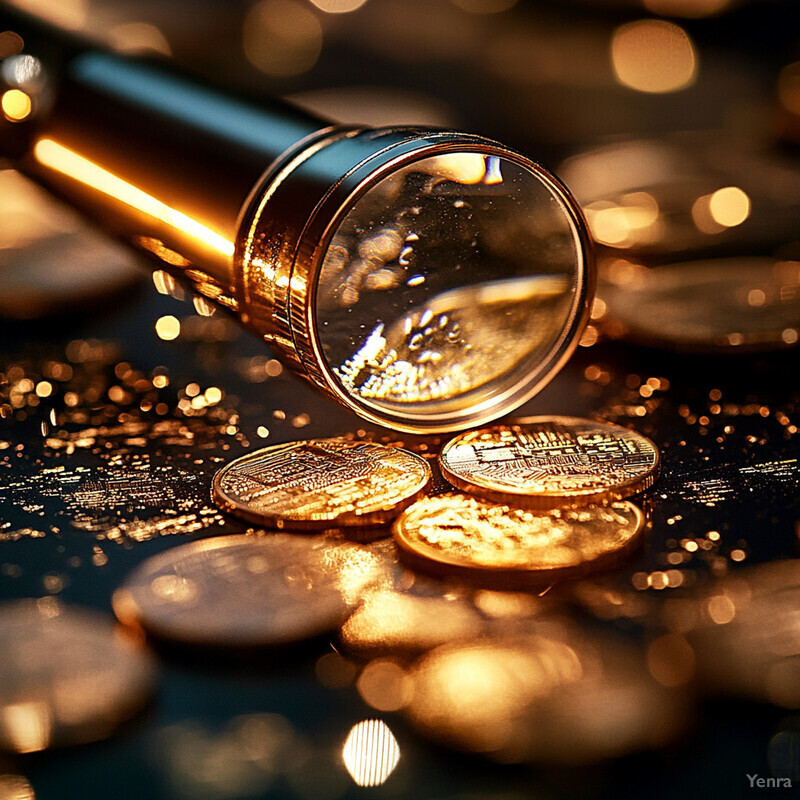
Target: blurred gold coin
716,305
545,462
391,622
508,546
321,483
67,675
559,696
746,634
240,591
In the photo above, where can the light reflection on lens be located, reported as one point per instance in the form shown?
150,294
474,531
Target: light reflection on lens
22,71
447,284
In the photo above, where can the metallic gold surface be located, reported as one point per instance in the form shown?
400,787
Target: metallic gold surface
495,543
458,341
297,282
321,483
240,591
715,305
557,696
392,622
543,462
67,676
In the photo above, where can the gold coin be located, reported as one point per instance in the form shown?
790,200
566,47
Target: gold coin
321,483
558,695
242,591
67,676
499,544
715,305
545,462
392,622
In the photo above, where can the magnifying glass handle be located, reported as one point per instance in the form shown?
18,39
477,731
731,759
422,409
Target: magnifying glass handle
161,159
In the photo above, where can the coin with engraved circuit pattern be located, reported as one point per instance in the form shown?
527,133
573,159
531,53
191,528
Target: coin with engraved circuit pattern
545,462
507,546
321,483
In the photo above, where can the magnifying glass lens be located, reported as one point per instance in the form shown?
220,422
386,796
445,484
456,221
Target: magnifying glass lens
448,288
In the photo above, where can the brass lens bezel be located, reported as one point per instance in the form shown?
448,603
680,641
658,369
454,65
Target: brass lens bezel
287,316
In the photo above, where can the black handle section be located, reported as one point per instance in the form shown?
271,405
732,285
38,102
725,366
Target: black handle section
193,148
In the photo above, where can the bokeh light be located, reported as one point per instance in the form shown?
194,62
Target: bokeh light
338,6
70,14
370,752
729,206
22,71
168,328
16,105
282,37
720,210
139,38
384,685
653,56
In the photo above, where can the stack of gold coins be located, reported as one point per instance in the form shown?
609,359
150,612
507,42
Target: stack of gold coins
245,591
470,663
544,498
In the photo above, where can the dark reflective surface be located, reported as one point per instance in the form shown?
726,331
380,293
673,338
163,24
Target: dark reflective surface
111,433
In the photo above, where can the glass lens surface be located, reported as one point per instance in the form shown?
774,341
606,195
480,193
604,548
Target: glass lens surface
447,285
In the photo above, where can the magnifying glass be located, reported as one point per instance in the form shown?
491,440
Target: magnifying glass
428,280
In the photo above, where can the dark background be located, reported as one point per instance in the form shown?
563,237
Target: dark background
536,76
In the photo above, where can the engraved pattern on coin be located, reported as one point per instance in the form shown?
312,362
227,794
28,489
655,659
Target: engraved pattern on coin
66,675
321,483
468,534
248,590
542,462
